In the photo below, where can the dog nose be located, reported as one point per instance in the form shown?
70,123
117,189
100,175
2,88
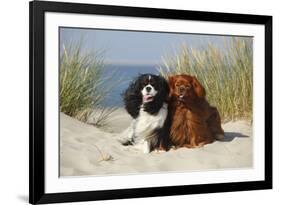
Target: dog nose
148,89
181,89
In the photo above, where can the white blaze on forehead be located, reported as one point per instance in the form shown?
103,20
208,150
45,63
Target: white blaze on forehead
152,91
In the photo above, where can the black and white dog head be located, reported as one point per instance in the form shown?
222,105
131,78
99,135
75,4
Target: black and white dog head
146,101
148,91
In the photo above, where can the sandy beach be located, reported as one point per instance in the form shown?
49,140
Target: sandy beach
88,150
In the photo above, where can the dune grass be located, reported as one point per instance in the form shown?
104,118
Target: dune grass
226,73
82,86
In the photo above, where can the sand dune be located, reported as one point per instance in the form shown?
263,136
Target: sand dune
87,150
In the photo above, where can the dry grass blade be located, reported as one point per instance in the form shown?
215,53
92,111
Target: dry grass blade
226,73
104,156
82,85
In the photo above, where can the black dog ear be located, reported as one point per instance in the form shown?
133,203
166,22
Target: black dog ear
132,98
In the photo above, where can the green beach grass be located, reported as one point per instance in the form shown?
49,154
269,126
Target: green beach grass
82,87
226,73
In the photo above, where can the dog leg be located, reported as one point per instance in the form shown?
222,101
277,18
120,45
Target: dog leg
127,136
146,147
143,146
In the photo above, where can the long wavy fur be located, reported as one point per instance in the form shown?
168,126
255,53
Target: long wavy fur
133,99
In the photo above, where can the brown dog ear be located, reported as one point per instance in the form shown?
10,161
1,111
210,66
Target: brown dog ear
198,88
171,81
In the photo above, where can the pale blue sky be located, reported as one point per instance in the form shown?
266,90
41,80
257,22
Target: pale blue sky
138,48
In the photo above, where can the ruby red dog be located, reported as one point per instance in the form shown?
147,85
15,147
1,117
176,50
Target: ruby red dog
194,122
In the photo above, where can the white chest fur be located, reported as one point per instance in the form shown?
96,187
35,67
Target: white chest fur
146,123
141,128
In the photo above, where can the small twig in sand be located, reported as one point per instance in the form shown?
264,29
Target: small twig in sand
104,157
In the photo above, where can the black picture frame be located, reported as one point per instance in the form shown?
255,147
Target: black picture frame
37,9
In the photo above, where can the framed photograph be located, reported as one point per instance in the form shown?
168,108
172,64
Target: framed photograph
130,102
